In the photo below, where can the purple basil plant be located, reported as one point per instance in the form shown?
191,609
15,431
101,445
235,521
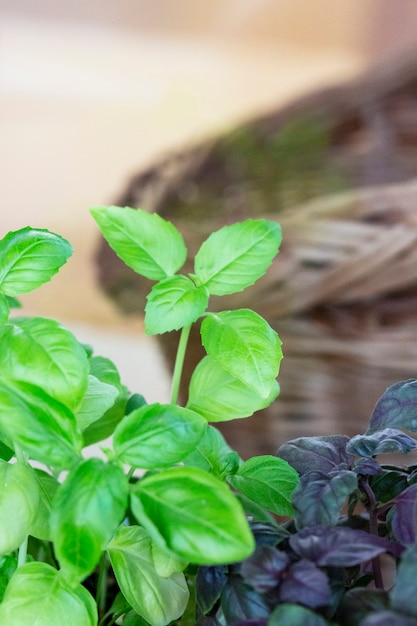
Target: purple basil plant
349,555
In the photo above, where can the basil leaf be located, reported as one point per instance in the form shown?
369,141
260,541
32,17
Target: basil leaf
29,258
19,501
147,243
42,352
319,497
321,454
403,594
220,397
180,509
381,442
235,256
159,600
86,511
38,594
396,408
98,399
295,615
172,304
43,427
245,346
47,486
268,481
157,435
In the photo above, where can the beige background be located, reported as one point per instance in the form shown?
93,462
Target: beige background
91,91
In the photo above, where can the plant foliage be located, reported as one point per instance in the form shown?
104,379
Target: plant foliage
165,495
168,525
353,513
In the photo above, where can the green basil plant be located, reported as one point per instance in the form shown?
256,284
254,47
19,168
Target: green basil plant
118,538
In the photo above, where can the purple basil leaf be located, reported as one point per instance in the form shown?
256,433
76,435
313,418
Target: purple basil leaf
412,474
359,602
295,615
396,408
404,520
403,594
207,620
381,442
305,584
389,484
251,622
324,454
269,534
388,618
263,570
338,546
239,602
319,497
210,582
367,467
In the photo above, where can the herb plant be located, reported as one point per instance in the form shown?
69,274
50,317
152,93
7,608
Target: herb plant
118,538
349,555
167,524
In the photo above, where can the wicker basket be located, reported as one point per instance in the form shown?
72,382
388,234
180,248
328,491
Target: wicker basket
342,293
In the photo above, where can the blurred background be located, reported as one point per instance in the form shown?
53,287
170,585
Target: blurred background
93,92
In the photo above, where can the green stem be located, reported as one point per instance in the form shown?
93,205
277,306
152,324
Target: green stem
130,473
179,363
102,584
23,552
113,620
21,457
189,616
23,548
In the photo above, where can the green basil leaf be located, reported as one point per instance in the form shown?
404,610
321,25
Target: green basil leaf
166,564
120,606
245,345
29,258
267,481
220,397
193,516
6,453
157,599
38,594
8,566
19,501
212,454
104,427
98,399
174,303
4,311
157,435
40,351
235,256
86,511
133,619
47,486
104,370
41,426
146,242
14,303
